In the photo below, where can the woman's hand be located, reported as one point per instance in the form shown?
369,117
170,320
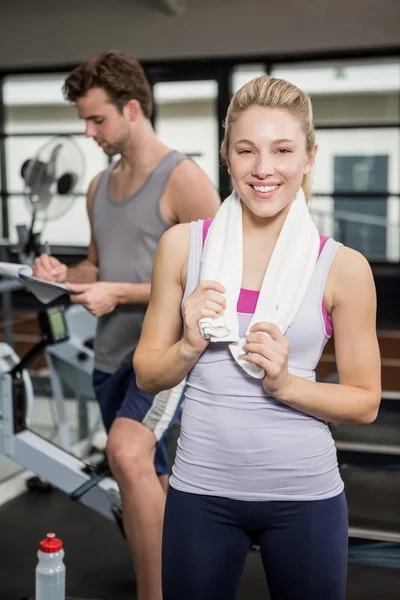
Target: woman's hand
268,348
206,301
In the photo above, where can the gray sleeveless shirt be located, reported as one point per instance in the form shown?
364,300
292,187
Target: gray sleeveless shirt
127,233
236,441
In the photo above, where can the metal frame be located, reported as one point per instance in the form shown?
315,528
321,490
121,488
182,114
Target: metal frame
3,166
50,462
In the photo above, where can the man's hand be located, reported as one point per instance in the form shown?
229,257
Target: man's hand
99,298
48,267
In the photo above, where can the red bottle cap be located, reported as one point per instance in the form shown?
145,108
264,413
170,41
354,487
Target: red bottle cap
51,544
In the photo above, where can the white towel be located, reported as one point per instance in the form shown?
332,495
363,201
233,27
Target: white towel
285,282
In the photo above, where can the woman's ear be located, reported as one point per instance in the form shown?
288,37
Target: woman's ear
311,160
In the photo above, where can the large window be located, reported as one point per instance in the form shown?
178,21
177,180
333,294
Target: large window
241,74
36,113
356,179
186,120
357,189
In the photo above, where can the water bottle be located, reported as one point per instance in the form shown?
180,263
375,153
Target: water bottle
50,570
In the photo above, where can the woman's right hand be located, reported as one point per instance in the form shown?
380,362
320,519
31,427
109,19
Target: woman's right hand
49,268
206,301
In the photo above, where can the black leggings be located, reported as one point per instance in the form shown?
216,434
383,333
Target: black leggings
206,541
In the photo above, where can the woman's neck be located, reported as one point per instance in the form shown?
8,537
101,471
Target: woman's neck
265,227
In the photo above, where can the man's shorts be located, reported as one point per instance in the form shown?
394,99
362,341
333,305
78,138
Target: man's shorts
119,396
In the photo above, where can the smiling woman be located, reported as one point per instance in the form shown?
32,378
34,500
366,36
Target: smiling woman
288,131
267,167
256,462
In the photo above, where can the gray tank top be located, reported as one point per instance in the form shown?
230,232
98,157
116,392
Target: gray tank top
127,234
236,441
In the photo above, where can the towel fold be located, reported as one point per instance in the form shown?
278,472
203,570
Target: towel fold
285,282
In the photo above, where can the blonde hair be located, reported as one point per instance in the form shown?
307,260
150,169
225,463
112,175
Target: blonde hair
270,92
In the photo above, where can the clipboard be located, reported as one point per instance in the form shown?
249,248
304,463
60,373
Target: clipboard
44,290
55,285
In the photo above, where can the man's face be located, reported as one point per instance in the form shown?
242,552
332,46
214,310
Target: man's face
104,123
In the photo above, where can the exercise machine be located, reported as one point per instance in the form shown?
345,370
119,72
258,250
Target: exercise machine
71,364
84,482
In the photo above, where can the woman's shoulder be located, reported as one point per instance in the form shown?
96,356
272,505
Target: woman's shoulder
173,250
176,237
350,262
350,275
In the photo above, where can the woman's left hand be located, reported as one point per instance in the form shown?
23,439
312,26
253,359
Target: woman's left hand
270,352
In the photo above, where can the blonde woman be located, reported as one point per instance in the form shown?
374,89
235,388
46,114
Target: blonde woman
256,462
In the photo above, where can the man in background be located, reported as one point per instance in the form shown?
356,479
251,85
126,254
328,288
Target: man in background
130,205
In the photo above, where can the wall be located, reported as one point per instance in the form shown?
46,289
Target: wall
41,33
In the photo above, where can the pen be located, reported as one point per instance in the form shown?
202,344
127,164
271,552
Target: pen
47,251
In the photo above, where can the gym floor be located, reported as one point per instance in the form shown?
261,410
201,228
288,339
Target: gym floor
97,559
96,555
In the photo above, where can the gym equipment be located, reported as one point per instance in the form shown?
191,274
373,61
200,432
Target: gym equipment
71,364
52,179
82,481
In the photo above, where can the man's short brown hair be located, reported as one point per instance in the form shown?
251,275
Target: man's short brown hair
120,75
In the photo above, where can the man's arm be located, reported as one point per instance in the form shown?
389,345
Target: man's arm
190,194
102,297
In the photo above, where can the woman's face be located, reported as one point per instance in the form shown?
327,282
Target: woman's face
267,159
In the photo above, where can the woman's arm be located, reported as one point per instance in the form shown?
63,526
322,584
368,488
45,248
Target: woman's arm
356,399
159,362
163,356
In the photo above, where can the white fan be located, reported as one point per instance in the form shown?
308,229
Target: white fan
52,180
